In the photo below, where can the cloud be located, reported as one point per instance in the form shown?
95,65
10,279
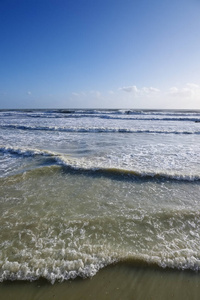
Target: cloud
111,92
95,93
193,85
188,91
29,93
80,94
184,92
149,90
185,96
129,89
144,91
75,94
92,93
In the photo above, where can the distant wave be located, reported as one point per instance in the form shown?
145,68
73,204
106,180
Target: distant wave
73,164
95,129
25,151
131,117
136,118
105,111
155,115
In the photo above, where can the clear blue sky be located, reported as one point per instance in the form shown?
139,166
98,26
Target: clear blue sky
100,53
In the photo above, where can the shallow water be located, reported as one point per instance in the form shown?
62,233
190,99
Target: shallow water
83,190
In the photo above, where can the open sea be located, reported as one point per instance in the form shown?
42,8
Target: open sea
84,190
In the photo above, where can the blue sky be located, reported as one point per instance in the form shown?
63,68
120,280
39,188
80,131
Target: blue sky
100,53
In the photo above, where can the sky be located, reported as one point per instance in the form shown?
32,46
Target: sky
100,54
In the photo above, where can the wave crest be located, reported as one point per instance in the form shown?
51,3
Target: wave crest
96,129
71,163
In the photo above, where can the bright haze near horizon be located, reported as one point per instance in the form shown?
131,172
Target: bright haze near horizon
100,54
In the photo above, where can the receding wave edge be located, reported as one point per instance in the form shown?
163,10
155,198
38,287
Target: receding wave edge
15,271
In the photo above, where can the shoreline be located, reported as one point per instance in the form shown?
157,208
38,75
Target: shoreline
118,281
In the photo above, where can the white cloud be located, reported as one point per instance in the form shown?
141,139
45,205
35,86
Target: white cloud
129,89
193,85
92,93
184,92
29,93
80,94
186,96
95,93
150,90
188,91
144,91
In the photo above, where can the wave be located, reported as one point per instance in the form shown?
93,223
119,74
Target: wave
61,269
117,116
131,114
180,259
70,163
135,117
95,129
56,270
25,151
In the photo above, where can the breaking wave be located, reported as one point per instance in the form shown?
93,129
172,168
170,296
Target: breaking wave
61,270
96,129
67,161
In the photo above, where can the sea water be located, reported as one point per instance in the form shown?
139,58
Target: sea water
83,189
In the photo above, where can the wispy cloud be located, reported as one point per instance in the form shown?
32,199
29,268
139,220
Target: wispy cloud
150,90
111,92
129,89
188,91
185,96
93,93
75,94
140,91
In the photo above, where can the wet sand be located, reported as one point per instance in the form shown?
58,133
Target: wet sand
121,281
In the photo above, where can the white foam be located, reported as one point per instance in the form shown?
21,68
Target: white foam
51,269
25,151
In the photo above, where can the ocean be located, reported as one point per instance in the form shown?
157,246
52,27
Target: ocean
83,192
